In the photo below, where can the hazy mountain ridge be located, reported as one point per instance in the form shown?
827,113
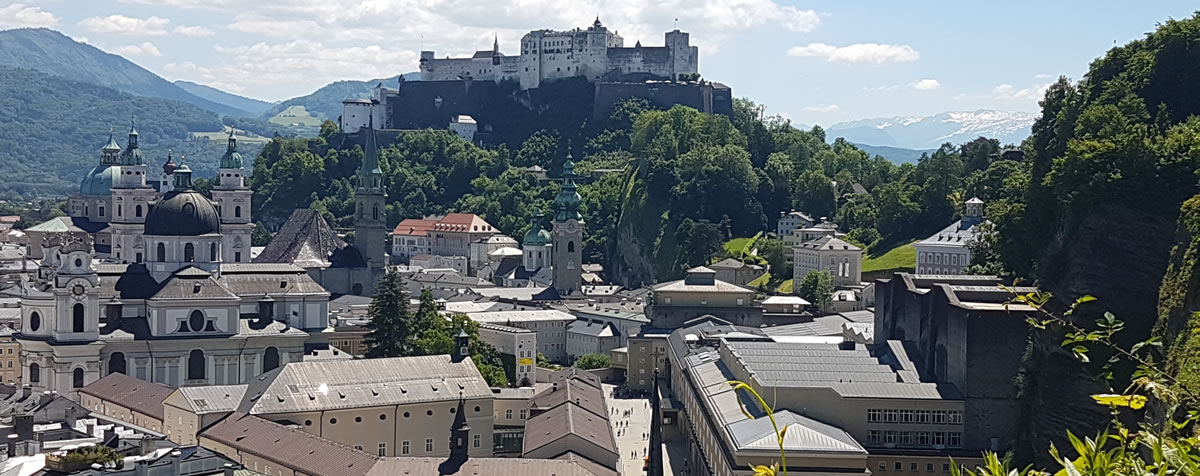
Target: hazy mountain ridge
52,52
929,132
326,101
250,105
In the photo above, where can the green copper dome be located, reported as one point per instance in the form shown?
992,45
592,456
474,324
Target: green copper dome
132,154
536,236
232,159
566,203
99,182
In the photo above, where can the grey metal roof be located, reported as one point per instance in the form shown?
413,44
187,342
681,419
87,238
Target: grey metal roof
337,384
803,434
213,398
192,283
957,234
272,283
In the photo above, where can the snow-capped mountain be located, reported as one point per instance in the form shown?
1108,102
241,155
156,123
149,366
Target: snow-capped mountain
929,132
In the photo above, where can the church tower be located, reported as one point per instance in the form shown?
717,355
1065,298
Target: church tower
568,235
370,215
232,197
131,201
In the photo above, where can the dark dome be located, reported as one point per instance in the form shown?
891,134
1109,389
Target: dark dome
183,213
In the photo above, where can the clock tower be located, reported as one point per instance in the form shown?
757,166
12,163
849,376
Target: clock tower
567,235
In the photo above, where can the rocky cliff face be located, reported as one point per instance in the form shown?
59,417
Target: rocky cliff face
1117,254
1179,300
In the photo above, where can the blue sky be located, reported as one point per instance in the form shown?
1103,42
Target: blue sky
816,62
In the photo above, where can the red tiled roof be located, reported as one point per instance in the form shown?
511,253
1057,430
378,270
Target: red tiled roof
564,420
571,391
414,227
294,449
130,392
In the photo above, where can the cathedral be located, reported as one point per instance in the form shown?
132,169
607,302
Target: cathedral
151,278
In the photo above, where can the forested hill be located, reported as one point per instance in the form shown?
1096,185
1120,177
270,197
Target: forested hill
52,52
51,131
1113,157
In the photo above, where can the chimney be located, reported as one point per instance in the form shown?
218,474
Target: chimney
91,429
110,436
229,469
139,468
175,457
26,391
266,309
146,445
23,424
12,445
846,345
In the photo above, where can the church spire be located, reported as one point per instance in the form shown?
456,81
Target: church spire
496,44
132,154
232,159
370,164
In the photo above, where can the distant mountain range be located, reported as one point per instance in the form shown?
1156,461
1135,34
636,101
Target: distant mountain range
326,102
930,132
54,53
895,154
250,105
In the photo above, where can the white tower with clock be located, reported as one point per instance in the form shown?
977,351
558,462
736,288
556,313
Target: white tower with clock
60,324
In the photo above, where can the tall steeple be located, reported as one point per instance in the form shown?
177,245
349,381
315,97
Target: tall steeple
233,198
132,154
496,44
232,159
110,154
568,235
370,201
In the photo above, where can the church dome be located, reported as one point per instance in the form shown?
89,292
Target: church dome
536,237
183,212
232,159
99,182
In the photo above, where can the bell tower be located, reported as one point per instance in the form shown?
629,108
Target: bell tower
131,202
370,215
232,197
568,235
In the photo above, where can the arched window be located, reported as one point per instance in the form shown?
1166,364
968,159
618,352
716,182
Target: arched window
35,321
212,251
77,321
35,373
195,369
270,359
77,378
375,212
116,363
189,253
137,212
196,321
570,247
237,211
161,252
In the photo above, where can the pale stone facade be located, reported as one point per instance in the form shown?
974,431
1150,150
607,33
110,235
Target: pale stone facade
842,260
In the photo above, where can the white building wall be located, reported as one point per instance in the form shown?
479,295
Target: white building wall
355,116
942,259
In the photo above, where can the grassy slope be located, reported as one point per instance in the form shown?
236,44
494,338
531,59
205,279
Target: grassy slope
899,257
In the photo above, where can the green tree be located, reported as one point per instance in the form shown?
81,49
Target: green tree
812,192
260,236
776,254
389,329
817,288
699,242
593,361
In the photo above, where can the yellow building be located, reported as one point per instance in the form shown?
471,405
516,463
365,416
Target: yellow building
10,357
127,399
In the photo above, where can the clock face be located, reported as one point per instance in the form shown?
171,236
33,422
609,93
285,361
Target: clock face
78,290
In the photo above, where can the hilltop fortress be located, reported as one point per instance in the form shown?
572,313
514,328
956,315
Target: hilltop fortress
581,73
594,53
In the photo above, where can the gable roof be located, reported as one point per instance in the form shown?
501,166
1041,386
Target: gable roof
574,392
212,398
829,243
294,449
130,392
564,420
306,240
338,384
803,434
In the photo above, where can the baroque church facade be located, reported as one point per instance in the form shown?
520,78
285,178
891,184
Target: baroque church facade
152,278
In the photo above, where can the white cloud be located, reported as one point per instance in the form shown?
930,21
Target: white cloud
873,53
19,15
1043,76
188,30
145,49
926,84
821,108
123,25
795,19
1008,91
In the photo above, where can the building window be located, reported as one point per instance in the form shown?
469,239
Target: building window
889,437
35,321
77,320
429,445
237,256
212,251
923,416
955,417
899,466
196,321
939,417
116,363
383,449
955,440
906,416
906,438
77,378
404,447
476,441
161,252
939,439
195,368
945,467
912,467
101,211
741,301
923,438
874,437
523,413
508,414
883,465
891,415
237,213
666,299
35,373
929,467
137,211
357,447
874,415
271,359
189,253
